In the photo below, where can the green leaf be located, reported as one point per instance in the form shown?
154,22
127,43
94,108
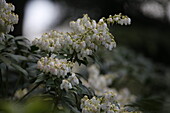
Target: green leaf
24,51
2,46
5,60
83,90
22,43
17,67
9,37
83,76
85,62
60,56
34,48
40,78
73,109
70,98
96,59
17,58
20,38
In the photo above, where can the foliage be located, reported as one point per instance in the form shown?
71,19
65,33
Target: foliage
13,58
39,77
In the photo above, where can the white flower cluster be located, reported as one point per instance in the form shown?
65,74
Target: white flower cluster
68,83
54,41
60,68
7,17
90,105
120,19
104,104
99,83
55,66
87,36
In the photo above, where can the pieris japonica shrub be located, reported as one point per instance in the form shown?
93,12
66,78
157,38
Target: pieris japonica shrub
46,65
65,49
85,39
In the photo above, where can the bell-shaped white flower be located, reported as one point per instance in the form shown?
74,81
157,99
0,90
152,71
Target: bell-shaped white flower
66,85
73,79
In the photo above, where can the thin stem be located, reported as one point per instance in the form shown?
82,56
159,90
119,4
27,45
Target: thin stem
30,91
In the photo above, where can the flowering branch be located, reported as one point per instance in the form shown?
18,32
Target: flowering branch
86,37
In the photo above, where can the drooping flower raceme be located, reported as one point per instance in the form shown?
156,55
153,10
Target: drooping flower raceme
59,68
103,104
73,79
90,105
70,82
86,37
120,19
7,17
55,66
66,85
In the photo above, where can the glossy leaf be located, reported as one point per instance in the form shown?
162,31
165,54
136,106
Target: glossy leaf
17,67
